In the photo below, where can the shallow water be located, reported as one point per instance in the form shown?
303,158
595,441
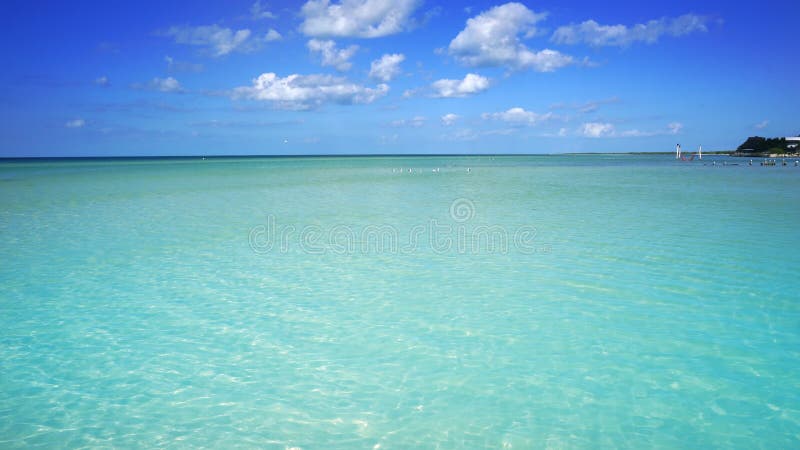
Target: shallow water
518,302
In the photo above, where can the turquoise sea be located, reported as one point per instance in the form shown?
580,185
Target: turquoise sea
580,301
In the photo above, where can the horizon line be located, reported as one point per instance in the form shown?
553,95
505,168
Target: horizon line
331,155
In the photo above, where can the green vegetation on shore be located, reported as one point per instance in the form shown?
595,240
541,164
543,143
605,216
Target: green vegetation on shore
760,146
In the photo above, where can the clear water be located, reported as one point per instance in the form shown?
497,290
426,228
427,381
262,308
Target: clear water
652,304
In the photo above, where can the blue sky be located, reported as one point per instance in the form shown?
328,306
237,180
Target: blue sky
403,76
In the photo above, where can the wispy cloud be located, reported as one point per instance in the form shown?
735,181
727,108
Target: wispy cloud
592,106
339,58
387,67
258,11
356,18
761,125
305,92
174,65
102,81
75,123
415,122
168,84
449,119
245,124
463,134
571,110
594,34
674,128
492,38
519,116
220,41
601,130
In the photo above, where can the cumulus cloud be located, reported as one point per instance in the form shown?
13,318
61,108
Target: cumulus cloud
415,122
75,123
356,18
218,40
332,56
597,129
303,92
272,35
592,33
518,116
257,11
470,85
387,67
449,119
492,38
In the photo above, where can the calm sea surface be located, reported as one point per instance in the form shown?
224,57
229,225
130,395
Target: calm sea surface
474,302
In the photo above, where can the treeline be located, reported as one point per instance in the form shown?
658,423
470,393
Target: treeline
764,145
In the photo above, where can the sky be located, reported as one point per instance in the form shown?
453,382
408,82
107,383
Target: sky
392,77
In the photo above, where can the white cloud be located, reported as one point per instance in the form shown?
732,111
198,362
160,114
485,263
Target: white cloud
257,11
75,123
449,119
597,129
168,84
272,35
518,116
592,106
492,39
387,67
303,92
761,125
415,122
220,41
674,127
638,133
465,134
596,35
471,84
102,81
356,18
332,56
174,65
388,140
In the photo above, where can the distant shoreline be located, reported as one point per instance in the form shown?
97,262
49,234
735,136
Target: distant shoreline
335,155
